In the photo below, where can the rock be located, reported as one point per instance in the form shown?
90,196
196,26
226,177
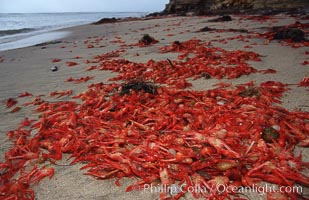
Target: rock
205,7
106,21
155,14
181,7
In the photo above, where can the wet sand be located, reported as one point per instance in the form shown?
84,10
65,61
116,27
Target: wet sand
28,69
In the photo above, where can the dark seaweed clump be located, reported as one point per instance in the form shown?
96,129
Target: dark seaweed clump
205,29
147,40
205,75
295,34
224,18
250,92
269,134
136,85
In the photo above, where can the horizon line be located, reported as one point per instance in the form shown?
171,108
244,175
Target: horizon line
77,12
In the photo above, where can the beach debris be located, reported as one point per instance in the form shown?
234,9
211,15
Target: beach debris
147,40
220,64
304,82
16,109
250,92
269,134
56,60
93,43
295,34
176,43
106,21
205,75
170,62
260,18
235,30
118,40
292,35
229,136
222,85
10,102
105,56
171,137
25,94
70,63
224,18
26,123
91,68
205,29
138,85
20,189
54,68
80,80
268,71
36,101
61,93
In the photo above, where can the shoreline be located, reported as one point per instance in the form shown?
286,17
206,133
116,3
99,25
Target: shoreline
34,40
28,69
55,34
30,36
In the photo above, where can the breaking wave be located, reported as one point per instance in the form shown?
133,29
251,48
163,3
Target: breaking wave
15,31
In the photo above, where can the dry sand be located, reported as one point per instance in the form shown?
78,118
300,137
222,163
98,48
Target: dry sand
28,69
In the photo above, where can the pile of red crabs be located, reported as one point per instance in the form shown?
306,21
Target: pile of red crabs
146,123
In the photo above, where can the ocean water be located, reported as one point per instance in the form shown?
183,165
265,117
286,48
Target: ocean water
25,29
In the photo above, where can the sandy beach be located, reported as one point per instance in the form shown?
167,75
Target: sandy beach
29,69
